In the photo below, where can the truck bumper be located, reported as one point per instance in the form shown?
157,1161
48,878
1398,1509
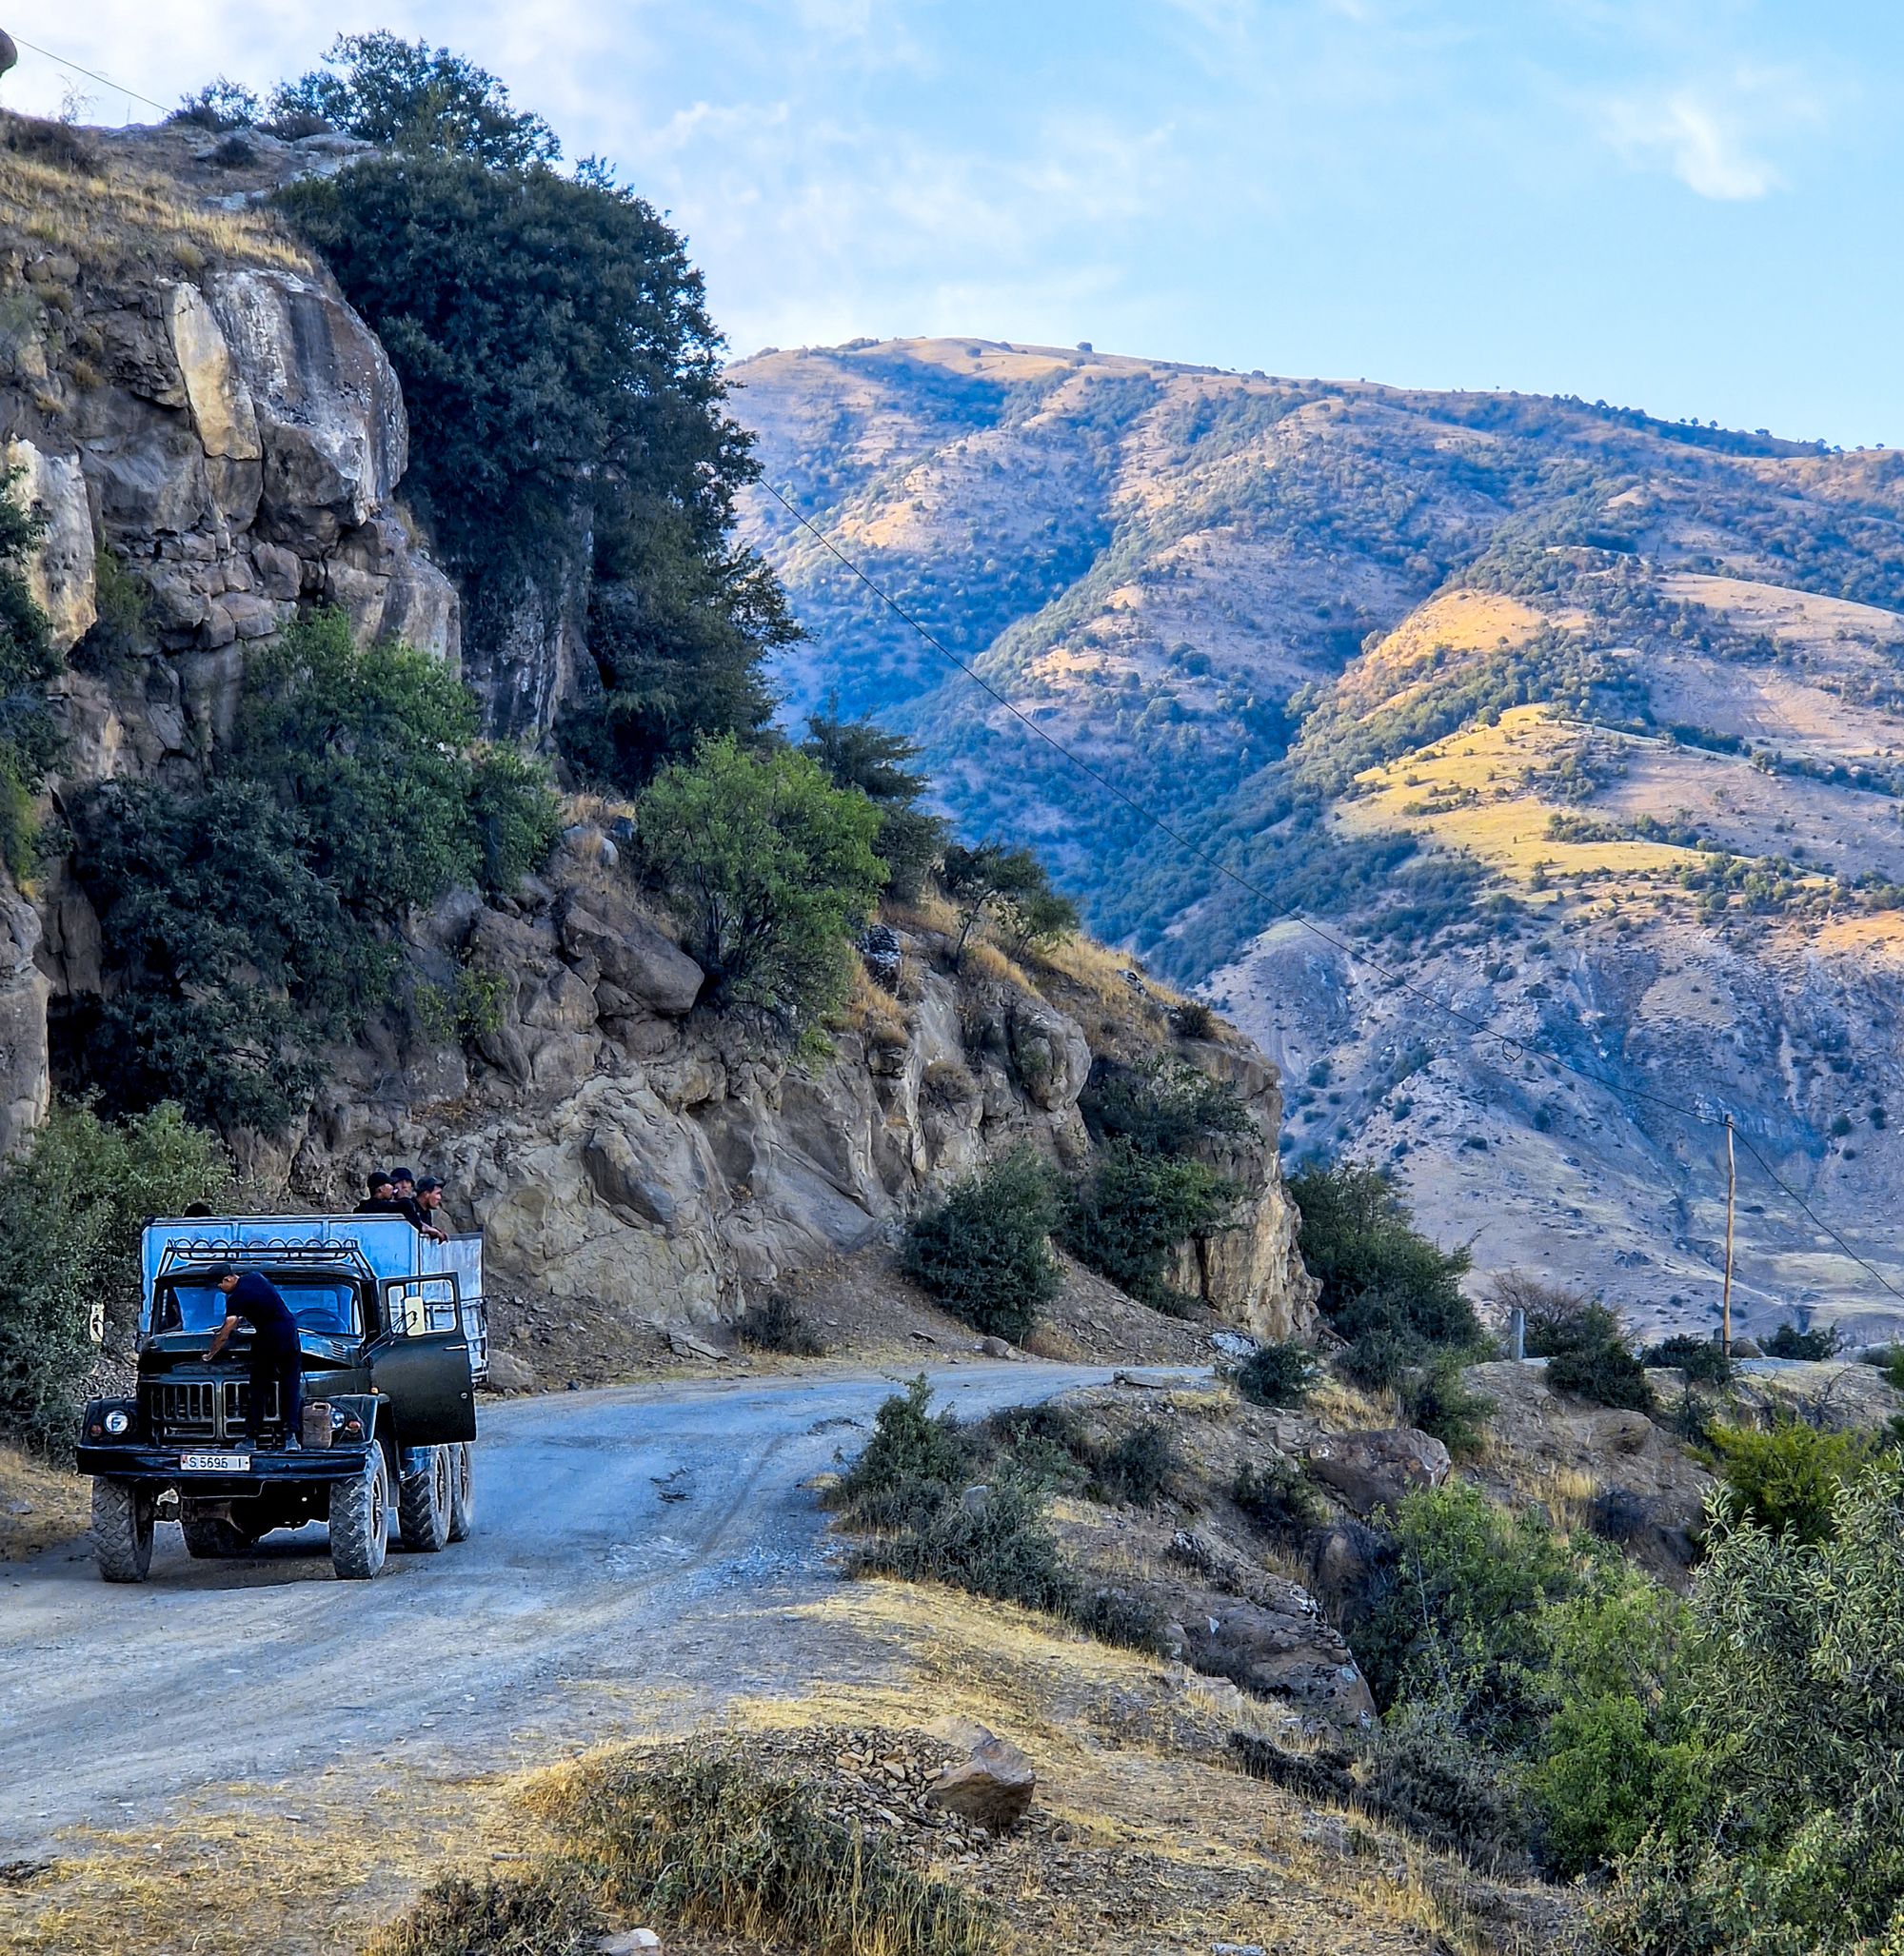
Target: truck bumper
302,1467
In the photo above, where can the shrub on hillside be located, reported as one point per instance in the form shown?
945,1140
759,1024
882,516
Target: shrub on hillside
548,1912
1437,1398
1135,1467
1165,1109
1126,1217
984,1252
1704,1361
1426,1771
771,871
860,753
774,1323
1282,1373
1786,1477
1278,1497
72,1207
30,736
1818,1342
1791,1688
1382,1282
1598,1365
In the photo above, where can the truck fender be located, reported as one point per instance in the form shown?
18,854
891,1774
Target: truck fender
362,1406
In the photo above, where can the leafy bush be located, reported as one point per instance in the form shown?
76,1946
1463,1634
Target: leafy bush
984,1252
1009,886
549,1913
1437,1398
1469,1582
1704,1361
1125,1217
1164,1110
1135,1467
1278,1497
1819,1341
775,1324
860,754
705,1843
221,105
1384,1285
1790,1686
247,921
1193,1020
72,1207
1598,1364
1279,1374
1786,1476
910,1464
771,870
1428,1773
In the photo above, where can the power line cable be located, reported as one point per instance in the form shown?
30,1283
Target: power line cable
93,75
1288,913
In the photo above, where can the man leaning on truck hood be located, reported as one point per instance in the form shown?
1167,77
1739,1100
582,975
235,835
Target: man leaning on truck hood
254,1299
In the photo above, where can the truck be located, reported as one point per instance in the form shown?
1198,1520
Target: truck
393,1341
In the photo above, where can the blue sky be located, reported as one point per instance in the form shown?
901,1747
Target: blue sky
1689,205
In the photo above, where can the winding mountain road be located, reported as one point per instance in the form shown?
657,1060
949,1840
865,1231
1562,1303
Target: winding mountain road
644,1538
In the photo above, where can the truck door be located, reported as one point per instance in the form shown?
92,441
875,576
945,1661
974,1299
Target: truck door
421,1361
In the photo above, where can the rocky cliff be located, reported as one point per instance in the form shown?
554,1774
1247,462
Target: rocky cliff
213,438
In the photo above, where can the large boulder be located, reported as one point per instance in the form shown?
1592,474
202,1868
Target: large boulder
626,949
60,571
1374,1471
993,1785
330,412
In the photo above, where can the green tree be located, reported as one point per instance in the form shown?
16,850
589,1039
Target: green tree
72,1207
406,95
1790,1686
770,869
563,382
984,1252
1126,1217
29,739
861,754
1010,885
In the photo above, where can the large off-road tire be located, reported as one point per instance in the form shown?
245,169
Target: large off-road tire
462,1491
360,1520
422,1499
209,1534
121,1529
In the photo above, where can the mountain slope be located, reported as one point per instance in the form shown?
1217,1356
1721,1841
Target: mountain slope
1591,725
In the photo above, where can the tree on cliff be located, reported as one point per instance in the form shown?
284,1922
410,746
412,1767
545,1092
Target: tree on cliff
569,442
29,738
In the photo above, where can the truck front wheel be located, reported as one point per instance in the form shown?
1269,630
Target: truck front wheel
462,1491
121,1529
422,1499
360,1520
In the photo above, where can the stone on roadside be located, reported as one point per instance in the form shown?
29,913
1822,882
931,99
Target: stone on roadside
627,1942
993,1786
508,1373
1372,1470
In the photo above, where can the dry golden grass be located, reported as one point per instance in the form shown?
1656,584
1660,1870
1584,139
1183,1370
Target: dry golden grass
869,1011
39,1505
112,215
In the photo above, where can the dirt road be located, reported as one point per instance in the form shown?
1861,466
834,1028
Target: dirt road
638,1548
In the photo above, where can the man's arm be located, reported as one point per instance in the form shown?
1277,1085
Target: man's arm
222,1336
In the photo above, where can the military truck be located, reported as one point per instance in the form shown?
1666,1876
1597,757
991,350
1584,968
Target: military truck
394,1341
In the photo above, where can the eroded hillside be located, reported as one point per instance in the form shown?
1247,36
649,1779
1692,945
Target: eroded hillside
1587,723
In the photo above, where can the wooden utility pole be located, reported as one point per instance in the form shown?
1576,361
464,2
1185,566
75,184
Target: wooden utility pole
1732,1185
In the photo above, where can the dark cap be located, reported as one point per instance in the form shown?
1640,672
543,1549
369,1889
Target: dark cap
428,1185
218,1272
403,1174
376,1179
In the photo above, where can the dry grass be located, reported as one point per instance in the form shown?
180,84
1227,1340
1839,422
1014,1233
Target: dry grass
39,1505
871,1011
109,215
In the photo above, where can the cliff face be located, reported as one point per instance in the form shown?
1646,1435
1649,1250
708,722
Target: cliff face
214,437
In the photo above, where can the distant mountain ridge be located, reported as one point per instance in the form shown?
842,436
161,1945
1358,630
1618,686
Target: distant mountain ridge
1590,723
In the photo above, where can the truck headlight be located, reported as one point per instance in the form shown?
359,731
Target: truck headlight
118,1424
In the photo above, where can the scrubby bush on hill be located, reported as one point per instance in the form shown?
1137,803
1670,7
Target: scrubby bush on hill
72,1207
1785,1478
1594,1361
1704,1361
984,1252
29,739
1279,1374
1790,1686
1129,1210
1009,887
1788,1341
770,868
247,920
1164,1109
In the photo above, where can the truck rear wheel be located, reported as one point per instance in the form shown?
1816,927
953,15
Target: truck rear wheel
422,1499
462,1491
360,1520
212,1530
121,1529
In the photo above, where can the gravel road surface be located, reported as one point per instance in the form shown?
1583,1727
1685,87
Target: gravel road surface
639,1553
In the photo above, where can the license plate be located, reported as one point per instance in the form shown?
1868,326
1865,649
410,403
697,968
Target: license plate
215,1463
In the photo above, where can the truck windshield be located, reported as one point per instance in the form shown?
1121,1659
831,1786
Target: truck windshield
201,1307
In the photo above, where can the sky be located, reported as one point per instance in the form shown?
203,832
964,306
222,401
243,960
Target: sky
1685,206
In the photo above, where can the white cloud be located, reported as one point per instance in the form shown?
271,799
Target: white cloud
1702,141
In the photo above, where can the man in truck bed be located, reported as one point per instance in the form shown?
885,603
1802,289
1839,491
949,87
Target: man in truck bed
254,1299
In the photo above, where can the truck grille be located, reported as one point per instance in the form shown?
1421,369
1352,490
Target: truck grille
206,1409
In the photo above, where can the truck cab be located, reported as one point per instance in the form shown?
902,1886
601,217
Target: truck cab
393,1341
